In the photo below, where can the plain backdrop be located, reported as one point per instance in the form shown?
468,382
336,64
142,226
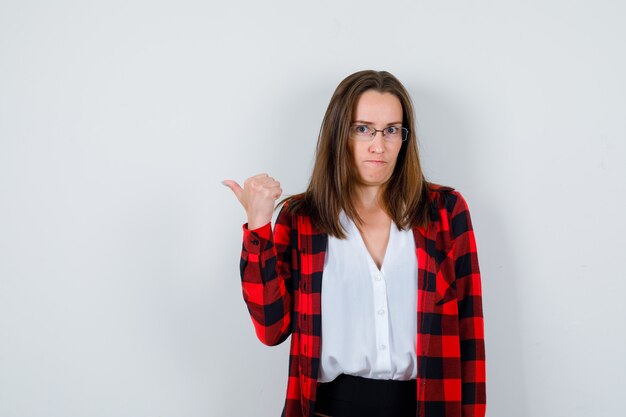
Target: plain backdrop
119,248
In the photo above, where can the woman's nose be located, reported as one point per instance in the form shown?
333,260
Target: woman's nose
377,145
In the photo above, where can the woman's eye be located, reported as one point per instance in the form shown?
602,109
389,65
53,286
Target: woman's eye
392,130
361,129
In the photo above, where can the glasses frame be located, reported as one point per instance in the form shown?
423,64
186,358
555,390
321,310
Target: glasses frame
372,133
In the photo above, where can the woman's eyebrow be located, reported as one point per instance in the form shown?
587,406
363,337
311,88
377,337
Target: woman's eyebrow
370,123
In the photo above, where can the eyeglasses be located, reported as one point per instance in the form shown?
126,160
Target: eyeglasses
367,133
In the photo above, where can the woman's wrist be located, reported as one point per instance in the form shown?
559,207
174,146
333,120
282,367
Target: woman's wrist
257,223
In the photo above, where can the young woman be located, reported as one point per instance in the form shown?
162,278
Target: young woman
373,270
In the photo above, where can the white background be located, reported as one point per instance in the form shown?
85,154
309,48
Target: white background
119,248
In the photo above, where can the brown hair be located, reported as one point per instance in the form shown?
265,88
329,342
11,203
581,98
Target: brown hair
332,186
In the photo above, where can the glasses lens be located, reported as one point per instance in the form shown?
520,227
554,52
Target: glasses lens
395,133
361,132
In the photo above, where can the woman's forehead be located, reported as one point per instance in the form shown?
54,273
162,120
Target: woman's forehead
376,107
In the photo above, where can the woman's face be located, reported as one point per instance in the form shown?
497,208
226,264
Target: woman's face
375,160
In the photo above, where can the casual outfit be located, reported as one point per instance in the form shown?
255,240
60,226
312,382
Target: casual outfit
444,365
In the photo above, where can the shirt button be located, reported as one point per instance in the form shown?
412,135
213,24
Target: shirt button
378,277
381,312
383,347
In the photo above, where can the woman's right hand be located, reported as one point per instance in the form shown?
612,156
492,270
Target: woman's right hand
258,197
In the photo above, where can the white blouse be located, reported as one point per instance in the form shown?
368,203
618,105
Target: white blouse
369,316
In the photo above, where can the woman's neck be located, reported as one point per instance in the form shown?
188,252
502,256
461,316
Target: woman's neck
368,198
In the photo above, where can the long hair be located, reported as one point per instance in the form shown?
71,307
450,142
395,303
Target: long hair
333,183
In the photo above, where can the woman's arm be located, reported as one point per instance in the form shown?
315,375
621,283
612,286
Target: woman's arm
265,258
265,267
469,293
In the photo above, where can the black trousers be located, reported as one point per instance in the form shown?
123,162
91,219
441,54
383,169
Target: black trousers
354,396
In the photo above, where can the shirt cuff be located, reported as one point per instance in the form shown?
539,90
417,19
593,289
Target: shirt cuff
254,240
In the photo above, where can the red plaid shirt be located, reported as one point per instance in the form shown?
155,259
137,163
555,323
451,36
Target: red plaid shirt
281,274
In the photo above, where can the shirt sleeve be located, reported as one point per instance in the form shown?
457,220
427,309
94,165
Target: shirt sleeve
265,267
469,293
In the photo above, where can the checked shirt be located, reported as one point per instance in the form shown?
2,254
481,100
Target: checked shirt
281,273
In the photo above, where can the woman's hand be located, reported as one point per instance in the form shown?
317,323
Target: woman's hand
258,197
